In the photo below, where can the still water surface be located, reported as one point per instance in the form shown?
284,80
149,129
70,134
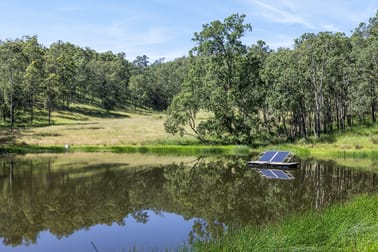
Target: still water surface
119,202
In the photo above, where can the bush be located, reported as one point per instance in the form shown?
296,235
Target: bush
374,139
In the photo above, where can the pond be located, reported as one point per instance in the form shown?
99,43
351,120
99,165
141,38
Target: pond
122,202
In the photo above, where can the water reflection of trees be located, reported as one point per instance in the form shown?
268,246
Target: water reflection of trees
216,193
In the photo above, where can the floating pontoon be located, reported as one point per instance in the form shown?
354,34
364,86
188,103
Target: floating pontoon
279,159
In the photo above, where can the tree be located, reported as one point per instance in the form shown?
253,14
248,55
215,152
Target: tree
34,73
184,108
221,46
365,40
12,66
287,94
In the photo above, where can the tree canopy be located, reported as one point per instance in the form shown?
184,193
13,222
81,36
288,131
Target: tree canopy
327,81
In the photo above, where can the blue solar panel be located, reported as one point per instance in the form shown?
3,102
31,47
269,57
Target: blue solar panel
267,156
280,156
268,173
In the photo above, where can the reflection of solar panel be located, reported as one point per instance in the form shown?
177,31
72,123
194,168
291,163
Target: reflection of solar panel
268,173
267,156
276,174
280,156
282,175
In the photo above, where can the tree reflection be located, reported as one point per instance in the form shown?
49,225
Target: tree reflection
219,194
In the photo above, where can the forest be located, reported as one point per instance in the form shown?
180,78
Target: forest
325,83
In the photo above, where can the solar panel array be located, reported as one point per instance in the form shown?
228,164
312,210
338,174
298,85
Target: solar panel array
280,156
267,156
274,156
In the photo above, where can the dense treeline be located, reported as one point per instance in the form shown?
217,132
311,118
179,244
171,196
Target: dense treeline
327,81
35,78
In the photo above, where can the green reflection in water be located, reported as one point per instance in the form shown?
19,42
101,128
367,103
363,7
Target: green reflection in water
65,193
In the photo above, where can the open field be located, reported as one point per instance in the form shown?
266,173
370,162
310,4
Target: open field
86,125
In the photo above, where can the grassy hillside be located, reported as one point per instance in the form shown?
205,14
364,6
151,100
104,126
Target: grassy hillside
86,125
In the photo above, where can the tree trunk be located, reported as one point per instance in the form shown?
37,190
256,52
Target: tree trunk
11,113
31,109
303,124
373,117
337,115
49,115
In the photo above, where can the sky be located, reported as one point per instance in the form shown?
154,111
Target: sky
165,28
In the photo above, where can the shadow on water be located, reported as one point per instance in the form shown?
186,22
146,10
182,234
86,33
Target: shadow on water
217,194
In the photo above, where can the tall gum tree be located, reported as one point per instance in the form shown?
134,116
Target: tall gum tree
219,45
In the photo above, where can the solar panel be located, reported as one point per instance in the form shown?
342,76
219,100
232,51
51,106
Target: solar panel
267,156
280,156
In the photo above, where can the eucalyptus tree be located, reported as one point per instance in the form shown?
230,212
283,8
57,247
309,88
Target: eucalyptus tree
59,62
182,112
163,81
325,56
138,81
33,75
255,114
365,40
340,78
288,94
220,43
12,66
117,80
82,91
110,79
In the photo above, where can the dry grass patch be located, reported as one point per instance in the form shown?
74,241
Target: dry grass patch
127,128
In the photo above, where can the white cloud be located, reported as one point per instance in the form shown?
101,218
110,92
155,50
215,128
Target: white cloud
330,28
151,36
282,15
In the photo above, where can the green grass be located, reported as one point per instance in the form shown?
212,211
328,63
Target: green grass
349,227
87,125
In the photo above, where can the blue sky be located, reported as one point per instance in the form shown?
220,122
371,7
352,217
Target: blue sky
164,28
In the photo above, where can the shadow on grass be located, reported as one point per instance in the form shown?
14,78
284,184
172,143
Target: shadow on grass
7,136
313,140
326,139
97,113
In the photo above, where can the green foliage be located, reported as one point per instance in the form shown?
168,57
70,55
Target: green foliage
33,77
327,82
155,85
220,82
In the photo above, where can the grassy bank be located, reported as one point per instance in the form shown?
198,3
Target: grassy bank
88,128
349,227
